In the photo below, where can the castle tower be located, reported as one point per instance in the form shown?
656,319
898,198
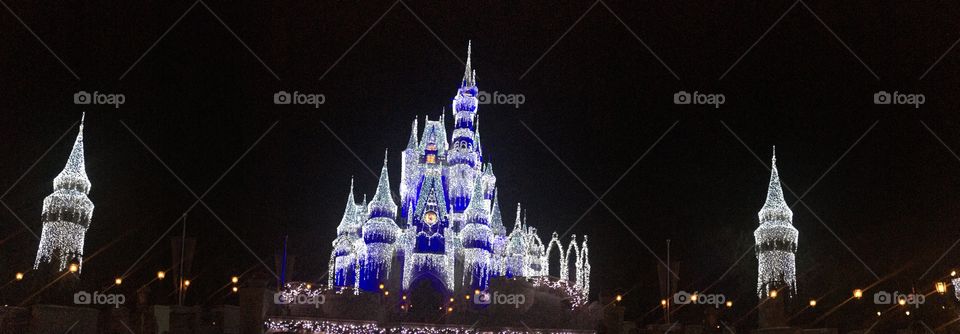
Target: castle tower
344,259
379,235
477,242
66,213
464,156
776,240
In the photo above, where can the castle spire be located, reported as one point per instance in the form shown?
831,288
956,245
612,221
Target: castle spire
382,204
412,144
349,212
469,77
74,173
476,200
496,219
775,208
518,224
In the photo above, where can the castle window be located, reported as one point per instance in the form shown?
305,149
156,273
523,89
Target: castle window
431,158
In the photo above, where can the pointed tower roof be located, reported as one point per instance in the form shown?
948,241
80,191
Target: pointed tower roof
496,219
518,224
412,144
476,205
775,208
469,76
382,204
74,173
349,213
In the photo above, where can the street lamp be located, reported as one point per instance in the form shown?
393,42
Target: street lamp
161,275
19,276
234,279
857,293
729,303
74,268
813,303
118,281
941,287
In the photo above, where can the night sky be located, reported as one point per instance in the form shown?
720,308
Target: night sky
885,186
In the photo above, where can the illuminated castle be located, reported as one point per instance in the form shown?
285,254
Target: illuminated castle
448,226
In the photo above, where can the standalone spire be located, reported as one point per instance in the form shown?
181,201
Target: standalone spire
67,212
412,144
74,173
775,209
469,77
776,240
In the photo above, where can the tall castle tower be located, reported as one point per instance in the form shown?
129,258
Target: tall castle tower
776,240
66,213
463,157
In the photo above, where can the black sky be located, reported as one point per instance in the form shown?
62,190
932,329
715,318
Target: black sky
199,98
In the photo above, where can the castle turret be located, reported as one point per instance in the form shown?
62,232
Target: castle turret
477,242
344,259
776,240
379,234
66,213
